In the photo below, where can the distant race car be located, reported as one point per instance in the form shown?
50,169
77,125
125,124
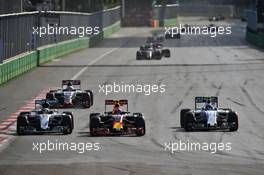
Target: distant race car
44,120
172,34
152,51
117,122
70,95
212,28
156,38
217,18
207,115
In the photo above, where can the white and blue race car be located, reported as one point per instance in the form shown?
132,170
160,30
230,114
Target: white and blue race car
70,96
44,120
207,115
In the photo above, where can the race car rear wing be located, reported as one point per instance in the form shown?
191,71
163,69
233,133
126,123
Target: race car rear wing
113,102
212,99
73,82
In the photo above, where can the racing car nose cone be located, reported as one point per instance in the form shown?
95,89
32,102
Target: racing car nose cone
117,125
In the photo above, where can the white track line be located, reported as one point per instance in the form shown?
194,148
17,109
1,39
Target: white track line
92,62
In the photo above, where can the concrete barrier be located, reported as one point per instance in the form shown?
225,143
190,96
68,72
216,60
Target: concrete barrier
255,38
20,64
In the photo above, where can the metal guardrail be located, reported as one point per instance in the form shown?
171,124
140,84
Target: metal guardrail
16,30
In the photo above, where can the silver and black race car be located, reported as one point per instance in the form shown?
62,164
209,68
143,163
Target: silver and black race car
207,115
44,120
152,51
172,34
70,95
217,18
117,121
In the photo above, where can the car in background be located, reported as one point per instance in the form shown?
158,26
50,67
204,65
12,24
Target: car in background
172,34
207,115
44,120
217,18
152,51
117,123
70,95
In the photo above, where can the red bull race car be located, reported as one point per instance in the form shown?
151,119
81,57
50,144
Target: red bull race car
117,121
70,95
207,115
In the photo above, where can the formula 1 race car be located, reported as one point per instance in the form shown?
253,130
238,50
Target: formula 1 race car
212,28
172,34
117,122
207,115
70,95
44,120
156,38
217,18
152,51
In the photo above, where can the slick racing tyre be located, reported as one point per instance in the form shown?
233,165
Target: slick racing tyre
50,96
182,116
233,121
72,118
92,115
91,96
85,100
189,121
138,56
67,124
140,126
94,125
21,124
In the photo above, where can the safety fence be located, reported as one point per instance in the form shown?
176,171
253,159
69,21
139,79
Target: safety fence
40,51
17,30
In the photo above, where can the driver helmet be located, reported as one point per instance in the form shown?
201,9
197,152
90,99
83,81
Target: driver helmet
116,108
45,110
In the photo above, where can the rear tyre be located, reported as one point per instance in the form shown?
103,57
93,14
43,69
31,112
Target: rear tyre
86,100
233,121
140,126
138,57
189,121
21,123
50,96
182,116
91,96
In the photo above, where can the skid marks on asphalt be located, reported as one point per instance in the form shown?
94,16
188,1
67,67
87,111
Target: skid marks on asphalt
8,125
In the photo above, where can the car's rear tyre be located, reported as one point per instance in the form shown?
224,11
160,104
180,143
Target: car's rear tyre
50,96
138,56
182,116
94,125
91,97
21,122
233,121
85,100
140,126
189,121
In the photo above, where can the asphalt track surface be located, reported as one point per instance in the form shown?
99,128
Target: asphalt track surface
225,66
